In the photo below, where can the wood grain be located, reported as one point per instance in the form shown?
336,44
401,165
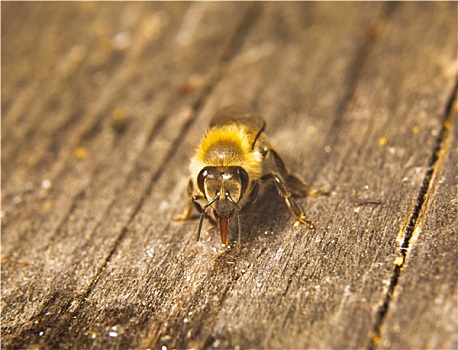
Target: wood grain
102,104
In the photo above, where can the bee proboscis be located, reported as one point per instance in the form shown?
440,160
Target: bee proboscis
232,160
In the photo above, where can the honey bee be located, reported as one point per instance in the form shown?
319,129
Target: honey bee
232,160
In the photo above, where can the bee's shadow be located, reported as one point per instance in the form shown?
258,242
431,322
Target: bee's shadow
267,216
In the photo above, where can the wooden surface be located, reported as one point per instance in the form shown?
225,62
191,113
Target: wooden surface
102,104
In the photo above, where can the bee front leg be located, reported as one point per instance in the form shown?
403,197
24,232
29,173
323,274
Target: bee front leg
191,201
291,204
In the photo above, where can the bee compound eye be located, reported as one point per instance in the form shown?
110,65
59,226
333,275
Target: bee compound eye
244,179
201,179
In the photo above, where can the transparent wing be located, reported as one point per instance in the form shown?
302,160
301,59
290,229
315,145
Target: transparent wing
297,186
294,183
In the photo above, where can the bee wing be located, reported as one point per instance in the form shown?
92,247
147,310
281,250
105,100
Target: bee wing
297,186
239,115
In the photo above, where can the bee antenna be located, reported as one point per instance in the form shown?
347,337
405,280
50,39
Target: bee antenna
202,215
229,198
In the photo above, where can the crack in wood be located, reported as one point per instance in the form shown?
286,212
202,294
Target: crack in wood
354,73
428,187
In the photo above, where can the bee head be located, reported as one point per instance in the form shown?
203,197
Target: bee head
223,188
223,185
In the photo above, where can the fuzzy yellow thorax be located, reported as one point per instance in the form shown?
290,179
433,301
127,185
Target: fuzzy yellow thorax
228,145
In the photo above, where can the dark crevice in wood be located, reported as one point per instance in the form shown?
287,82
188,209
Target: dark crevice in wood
240,33
16,248
79,197
354,73
156,129
234,45
53,147
296,268
417,209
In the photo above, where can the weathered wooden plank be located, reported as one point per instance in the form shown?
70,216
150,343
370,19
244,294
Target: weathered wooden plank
53,232
95,261
424,310
189,291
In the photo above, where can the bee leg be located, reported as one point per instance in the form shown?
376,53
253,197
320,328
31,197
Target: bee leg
295,184
317,193
192,201
281,167
291,204
299,187
254,193
188,210
203,213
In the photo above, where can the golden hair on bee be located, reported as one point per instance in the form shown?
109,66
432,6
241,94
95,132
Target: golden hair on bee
227,145
232,160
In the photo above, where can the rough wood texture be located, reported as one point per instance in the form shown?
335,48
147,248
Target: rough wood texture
424,290
102,104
